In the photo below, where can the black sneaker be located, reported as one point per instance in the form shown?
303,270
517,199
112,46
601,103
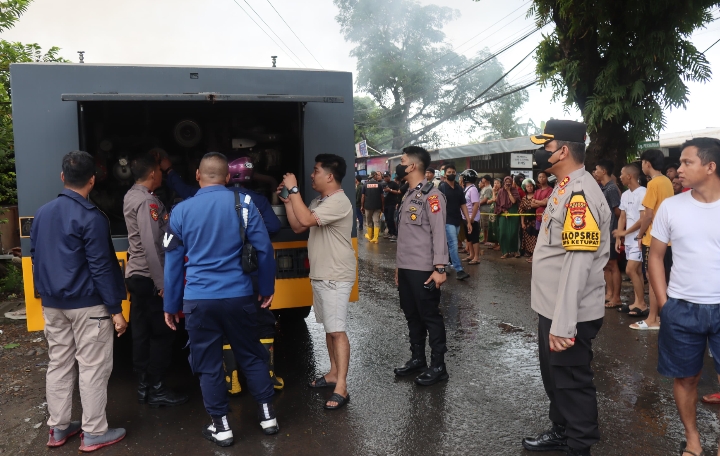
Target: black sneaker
223,438
551,440
268,421
462,275
432,375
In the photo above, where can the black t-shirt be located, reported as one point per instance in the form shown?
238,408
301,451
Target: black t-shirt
391,199
403,189
455,200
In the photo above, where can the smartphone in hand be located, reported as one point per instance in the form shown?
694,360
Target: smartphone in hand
430,285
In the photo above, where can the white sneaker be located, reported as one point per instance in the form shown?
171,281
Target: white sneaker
222,438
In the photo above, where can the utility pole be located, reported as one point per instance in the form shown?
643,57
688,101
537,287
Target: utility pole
82,56
274,60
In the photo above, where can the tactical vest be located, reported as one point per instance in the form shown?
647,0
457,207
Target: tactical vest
373,195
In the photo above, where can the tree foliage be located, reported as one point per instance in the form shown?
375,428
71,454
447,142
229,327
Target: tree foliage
623,64
13,52
410,72
369,124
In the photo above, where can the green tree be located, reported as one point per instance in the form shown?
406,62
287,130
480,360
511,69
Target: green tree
410,72
622,63
13,52
369,124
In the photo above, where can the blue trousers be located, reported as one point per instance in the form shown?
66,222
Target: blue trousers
359,217
451,232
209,320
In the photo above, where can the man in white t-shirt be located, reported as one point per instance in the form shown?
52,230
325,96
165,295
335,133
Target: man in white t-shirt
690,302
333,264
628,228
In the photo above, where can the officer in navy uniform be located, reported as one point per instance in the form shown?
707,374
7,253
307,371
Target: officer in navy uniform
241,172
568,289
217,294
422,254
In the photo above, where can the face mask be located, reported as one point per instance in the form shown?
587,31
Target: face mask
442,173
401,171
542,158
450,177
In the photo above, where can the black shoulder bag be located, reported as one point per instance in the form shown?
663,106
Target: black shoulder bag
249,254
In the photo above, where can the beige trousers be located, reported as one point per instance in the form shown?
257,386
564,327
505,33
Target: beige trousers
372,218
77,334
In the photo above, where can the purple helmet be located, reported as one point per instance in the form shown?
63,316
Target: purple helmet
241,170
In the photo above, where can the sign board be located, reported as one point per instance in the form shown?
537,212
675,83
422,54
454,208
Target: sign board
521,161
526,172
648,145
361,149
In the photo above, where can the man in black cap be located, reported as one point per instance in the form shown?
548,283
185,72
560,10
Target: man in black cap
391,190
568,289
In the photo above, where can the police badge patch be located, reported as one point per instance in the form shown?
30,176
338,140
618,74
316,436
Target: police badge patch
154,212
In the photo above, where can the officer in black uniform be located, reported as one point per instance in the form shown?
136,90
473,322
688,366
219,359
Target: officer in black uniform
422,254
372,204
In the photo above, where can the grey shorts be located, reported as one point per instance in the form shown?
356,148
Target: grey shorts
330,303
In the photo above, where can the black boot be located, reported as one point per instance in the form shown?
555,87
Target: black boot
160,395
143,386
417,363
269,344
435,373
553,439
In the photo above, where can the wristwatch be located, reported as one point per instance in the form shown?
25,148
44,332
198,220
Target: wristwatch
440,270
294,190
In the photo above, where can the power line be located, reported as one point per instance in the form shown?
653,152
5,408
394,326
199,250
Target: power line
273,31
711,46
298,38
268,35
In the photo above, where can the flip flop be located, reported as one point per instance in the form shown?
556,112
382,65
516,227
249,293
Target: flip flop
642,326
636,312
473,262
612,306
713,398
684,450
337,398
320,382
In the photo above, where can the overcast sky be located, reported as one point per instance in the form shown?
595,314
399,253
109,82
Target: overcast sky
220,33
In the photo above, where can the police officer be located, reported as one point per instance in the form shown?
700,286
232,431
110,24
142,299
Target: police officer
217,297
372,206
568,289
146,218
422,254
241,172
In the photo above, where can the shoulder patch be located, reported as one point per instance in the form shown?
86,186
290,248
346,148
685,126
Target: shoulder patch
154,213
580,231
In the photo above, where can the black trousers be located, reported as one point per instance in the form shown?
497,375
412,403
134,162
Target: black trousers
422,311
568,381
265,318
390,220
152,338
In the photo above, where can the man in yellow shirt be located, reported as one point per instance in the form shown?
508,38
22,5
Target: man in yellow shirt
659,188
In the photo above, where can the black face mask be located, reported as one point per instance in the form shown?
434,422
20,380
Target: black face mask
542,158
401,171
450,177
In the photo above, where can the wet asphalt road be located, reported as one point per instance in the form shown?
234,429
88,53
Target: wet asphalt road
493,398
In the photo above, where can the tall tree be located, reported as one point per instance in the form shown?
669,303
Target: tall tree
13,52
622,63
369,124
409,70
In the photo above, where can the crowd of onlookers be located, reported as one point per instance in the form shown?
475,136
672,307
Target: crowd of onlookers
504,214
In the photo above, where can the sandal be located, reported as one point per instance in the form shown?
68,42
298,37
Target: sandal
529,260
642,326
713,398
684,450
339,399
625,308
505,256
609,305
517,255
320,382
636,312
473,262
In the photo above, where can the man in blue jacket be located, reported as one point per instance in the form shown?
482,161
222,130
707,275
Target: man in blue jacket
79,280
216,295
241,172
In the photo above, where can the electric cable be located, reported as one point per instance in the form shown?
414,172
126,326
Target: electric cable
298,38
273,31
264,31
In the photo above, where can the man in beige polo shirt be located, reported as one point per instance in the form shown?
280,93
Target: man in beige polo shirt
333,264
